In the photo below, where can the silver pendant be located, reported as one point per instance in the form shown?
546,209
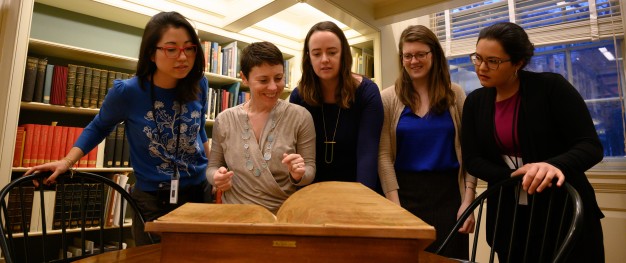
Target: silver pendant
245,134
267,156
249,165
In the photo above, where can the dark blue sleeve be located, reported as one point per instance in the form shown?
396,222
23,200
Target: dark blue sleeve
294,97
111,113
370,127
204,87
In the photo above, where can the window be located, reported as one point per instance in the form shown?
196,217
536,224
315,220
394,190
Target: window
590,59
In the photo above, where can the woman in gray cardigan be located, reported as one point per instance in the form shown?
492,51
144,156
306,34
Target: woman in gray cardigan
263,149
419,160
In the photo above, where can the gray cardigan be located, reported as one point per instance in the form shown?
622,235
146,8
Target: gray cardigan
294,133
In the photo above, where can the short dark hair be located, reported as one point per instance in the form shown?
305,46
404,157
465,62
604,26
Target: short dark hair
513,39
259,53
309,84
188,88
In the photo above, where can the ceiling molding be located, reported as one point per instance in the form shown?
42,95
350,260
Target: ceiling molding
248,20
386,9
353,13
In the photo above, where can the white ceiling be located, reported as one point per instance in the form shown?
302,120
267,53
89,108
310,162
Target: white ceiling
284,22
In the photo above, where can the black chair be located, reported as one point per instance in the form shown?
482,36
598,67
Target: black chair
80,204
557,236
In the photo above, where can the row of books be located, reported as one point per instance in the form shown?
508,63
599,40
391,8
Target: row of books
222,60
38,144
75,250
220,99
72,86
66,208
362,61
225,60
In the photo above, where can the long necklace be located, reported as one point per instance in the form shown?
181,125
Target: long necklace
329,158
246,134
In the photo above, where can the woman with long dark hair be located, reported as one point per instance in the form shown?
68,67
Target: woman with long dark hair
163,109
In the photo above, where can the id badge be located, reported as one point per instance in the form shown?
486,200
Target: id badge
174,191
523,195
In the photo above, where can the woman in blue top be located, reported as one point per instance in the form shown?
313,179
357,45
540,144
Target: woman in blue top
346,108
163,110
420,149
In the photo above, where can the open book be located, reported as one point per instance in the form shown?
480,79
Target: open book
316,220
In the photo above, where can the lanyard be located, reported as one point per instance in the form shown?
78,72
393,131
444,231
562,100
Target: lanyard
175,176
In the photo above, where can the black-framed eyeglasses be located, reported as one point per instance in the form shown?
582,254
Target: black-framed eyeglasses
419,56
492,63
174,51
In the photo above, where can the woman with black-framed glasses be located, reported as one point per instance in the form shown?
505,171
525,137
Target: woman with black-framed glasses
534,125
419,160
163,109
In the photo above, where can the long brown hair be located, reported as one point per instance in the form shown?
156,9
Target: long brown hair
188,87
439,86
309,85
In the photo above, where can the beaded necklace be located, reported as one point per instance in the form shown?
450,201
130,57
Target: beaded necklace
246,134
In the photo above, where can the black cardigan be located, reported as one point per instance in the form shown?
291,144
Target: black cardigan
554,126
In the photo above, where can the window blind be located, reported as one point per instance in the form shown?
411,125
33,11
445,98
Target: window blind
546,22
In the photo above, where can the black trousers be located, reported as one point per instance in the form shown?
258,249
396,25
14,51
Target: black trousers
434,197
156,204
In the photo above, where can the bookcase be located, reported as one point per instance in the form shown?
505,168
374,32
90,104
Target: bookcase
62,37
65,37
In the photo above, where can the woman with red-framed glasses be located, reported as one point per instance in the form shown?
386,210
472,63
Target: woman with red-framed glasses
163,109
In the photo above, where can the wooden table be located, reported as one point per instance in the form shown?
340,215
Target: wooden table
323,222
152,254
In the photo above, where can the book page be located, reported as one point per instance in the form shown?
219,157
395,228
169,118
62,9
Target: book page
219,213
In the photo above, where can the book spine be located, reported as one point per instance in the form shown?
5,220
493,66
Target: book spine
28,144
82,162
206,49
92,156
30,77
40,79
36,147
109,149
87,88
100,155
104,76
57,96
126,153
19,208
80,83
110,79
43,143
215,50
48,152
71,85
18,153
71,138
63,144
119,145
47,84
57,138
95,88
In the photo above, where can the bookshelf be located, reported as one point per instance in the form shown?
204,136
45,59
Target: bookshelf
39,28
